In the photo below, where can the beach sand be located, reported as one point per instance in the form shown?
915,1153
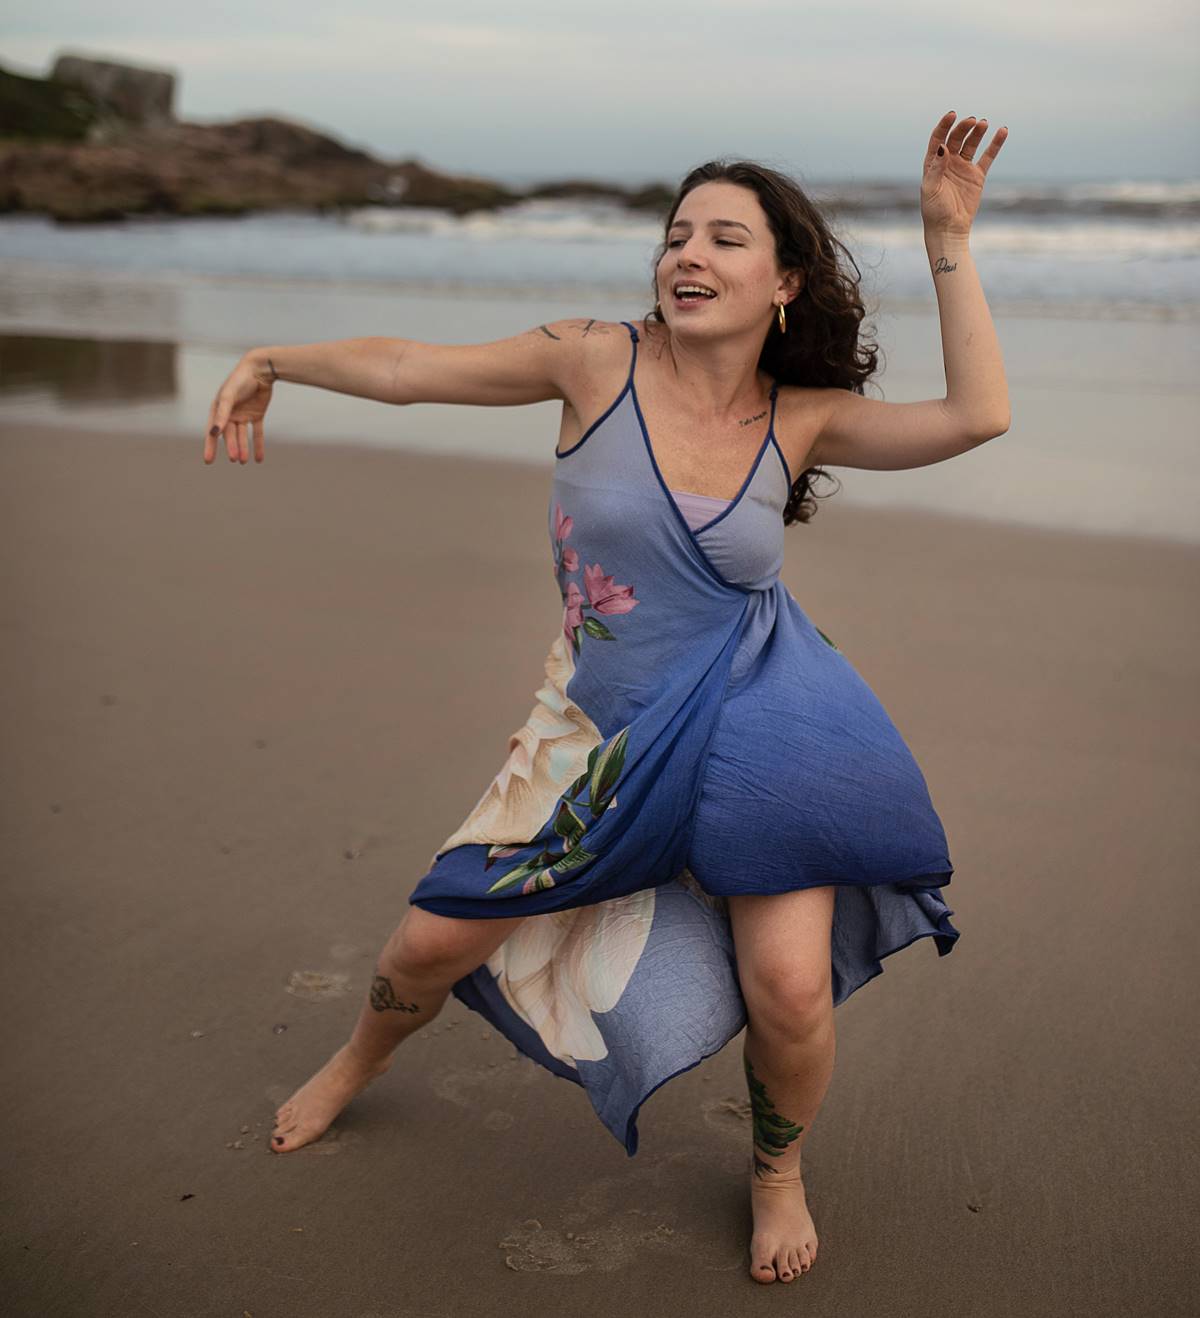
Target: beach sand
242,707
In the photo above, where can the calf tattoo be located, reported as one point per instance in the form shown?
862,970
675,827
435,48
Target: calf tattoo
772,1131
383,996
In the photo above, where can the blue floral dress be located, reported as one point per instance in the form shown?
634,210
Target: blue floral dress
696,736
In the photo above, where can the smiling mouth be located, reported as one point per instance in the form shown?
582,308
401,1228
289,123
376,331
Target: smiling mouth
687,299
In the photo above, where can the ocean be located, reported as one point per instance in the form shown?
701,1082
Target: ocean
1094,288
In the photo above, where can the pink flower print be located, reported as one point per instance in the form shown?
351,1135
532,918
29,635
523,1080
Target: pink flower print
603,595
565,560
572,612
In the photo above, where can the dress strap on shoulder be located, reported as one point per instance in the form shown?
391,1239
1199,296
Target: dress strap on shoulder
633,334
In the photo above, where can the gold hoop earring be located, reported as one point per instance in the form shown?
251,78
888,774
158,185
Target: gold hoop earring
782,320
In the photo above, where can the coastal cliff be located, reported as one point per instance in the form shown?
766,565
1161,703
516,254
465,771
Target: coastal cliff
98,140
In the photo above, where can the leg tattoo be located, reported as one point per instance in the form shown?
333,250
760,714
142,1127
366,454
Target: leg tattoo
773,1132
383,996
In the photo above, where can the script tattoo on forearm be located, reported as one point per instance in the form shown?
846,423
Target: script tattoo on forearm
944,267
773,1132
383,997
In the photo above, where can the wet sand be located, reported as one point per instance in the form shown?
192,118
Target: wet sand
241,707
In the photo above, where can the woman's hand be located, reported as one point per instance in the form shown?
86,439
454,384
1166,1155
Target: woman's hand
951,184
241,402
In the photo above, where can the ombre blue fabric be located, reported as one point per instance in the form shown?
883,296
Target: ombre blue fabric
696,737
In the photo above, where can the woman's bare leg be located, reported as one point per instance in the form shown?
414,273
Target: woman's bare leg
414,973
783,957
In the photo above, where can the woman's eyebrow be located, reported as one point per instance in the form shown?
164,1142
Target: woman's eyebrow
714,224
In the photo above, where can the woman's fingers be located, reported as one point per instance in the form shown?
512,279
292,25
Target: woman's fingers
213,433
241,402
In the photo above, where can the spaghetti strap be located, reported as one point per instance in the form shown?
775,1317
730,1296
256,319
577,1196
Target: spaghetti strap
633,334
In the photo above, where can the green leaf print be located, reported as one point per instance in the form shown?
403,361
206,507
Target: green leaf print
594,627
568,825
582,781
522,871
606,771
604,766
572,860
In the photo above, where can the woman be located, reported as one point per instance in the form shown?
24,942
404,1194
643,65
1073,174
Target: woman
708,820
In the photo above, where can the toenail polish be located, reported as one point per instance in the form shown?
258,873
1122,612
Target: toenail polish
278,1139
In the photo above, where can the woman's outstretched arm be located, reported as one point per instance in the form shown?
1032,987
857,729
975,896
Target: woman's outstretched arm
532,367
537,366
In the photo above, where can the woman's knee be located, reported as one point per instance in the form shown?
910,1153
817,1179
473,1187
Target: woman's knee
788,999
429,946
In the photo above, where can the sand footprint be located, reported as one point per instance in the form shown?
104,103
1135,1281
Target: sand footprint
316,985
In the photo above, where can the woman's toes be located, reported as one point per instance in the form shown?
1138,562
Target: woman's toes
763,1271
783,1268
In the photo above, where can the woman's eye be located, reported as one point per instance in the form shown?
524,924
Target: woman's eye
724,242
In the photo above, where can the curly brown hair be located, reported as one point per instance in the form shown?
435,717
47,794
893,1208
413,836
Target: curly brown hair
822,347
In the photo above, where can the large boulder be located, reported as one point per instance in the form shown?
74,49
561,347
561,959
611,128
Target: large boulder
138,95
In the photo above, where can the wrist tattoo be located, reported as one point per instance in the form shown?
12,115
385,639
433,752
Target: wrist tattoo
943,267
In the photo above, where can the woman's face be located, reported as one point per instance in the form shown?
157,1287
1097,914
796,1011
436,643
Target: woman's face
720,239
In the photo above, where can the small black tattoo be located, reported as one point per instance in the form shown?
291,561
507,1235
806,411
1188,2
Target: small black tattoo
548,333
943,267
383,997
749,421
761,1168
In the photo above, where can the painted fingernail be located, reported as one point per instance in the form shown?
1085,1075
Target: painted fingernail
214,432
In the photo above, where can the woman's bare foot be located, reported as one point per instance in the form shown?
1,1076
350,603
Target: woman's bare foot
307,1115
784,1243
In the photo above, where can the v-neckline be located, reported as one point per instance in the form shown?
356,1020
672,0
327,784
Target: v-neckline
666,489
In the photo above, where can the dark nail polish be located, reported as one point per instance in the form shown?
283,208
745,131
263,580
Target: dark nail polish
278,1139
214,432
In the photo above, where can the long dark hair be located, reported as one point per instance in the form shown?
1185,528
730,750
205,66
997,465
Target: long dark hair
822,347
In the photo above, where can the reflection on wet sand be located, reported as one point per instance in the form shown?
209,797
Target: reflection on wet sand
82,370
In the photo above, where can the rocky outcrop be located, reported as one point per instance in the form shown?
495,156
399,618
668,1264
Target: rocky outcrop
100,142
137,95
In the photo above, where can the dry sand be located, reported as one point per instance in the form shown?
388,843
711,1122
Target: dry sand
241,707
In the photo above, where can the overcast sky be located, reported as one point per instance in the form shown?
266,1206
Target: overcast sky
639,90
